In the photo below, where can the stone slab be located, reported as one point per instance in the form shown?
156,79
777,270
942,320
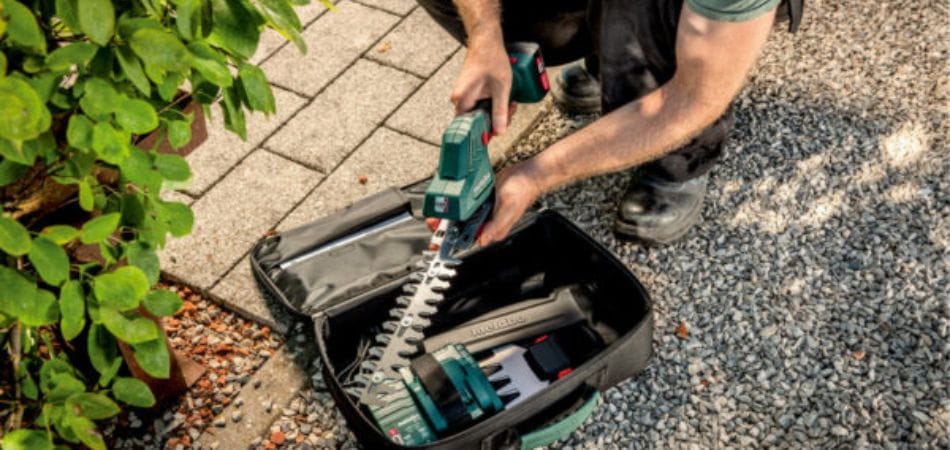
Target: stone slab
401,7
278,380
236,212
271,41
335,40
386,159
239,292
426,114
343,115
224,149
418,45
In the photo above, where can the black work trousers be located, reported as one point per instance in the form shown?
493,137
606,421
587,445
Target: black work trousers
627,44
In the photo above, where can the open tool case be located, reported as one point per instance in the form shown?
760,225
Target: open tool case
346,270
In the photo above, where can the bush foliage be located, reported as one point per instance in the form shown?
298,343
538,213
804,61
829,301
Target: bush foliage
80,82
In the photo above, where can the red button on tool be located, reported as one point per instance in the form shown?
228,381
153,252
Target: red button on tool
512,59
485,138
544,80
540,339
563,373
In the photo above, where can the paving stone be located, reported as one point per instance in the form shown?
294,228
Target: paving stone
234,214
239,292
271,41
418,44
278,381
401,7
334,41
426,114
386,159
224,149
343,115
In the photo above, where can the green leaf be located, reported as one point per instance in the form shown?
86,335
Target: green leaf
142,256
86,199
60,234
49,260
97,19
92,405
169,86
11,171
79,132
133,331
99,98
256,89
103,351
162,52
17,290
172,167
153,358
24,439
40,310
133,70
136,115
21,110
212,70
110,144
86,431
233,113
133,391
99,228
77,53
14,239
66,10
21,154
22,27
27,384
162,303
282,18
179,133
72,307
178,216
121,289
188,18
138,169
236,27
63,385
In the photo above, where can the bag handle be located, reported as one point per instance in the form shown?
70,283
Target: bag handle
562,428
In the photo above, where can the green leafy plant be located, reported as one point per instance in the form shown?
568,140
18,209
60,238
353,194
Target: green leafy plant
81,81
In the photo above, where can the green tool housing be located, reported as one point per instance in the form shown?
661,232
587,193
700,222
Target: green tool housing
465,179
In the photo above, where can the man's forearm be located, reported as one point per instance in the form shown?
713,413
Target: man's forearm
632,135
482,20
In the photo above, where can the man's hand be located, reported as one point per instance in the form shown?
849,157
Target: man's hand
515,191
486,73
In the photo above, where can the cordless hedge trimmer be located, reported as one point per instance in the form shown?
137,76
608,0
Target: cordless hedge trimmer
461,194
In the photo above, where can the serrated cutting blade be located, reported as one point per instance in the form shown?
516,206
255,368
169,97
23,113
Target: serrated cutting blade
402,334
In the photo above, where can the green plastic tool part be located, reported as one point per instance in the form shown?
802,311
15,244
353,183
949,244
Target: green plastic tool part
465,179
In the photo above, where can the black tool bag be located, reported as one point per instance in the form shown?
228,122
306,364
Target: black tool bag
346,270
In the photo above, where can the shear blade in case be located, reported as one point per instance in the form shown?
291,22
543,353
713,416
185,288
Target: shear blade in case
528,333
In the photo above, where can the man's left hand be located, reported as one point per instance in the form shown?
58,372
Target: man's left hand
515,191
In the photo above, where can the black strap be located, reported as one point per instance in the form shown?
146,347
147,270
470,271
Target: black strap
440,388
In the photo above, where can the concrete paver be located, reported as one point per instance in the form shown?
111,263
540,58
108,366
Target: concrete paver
277,381
426,114
418,44
343,115
401,7
335,40
224,149
238,291
386,159
234,214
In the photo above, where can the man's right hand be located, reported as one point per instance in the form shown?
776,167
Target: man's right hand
486,73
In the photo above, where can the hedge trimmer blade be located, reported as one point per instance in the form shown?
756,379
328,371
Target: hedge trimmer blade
402,335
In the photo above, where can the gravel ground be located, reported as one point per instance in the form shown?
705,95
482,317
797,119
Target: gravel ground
810,307
228,346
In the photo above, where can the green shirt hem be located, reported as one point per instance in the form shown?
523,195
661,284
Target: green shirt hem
709,10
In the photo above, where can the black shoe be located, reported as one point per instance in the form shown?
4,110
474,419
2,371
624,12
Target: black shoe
660,212
576,90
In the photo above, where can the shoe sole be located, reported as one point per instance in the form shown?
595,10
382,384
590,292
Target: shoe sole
629,231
